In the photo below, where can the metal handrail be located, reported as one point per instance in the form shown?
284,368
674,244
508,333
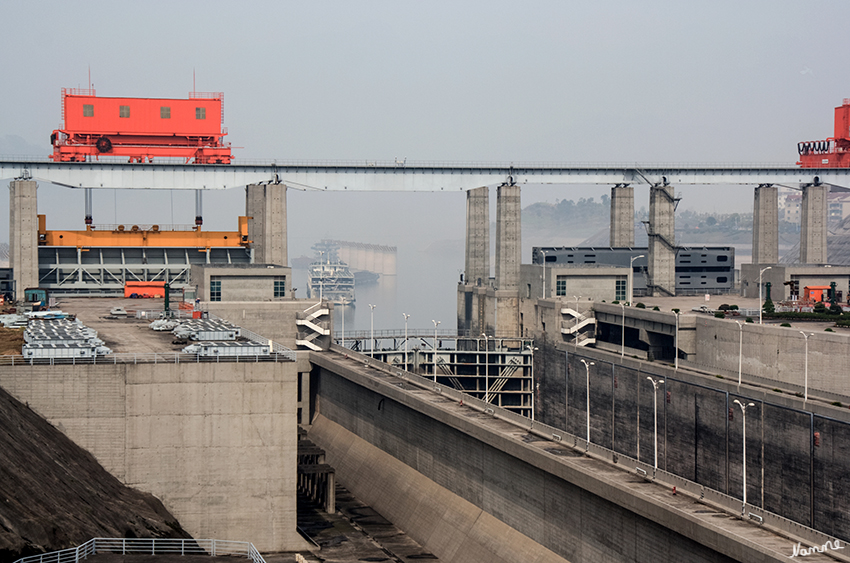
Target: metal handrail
279,353
148,546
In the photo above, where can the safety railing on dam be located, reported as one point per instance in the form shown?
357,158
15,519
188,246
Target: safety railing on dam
149,546
148,358
760,517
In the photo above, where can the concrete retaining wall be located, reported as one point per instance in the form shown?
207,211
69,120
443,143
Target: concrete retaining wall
786,472
523,488
215,442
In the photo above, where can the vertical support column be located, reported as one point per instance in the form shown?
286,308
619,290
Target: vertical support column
766,225
508,257
23,234
622,217
508,237
662,241
266,210
813,223
478,236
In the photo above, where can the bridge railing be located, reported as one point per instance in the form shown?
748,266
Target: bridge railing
709,496
148,358
149,546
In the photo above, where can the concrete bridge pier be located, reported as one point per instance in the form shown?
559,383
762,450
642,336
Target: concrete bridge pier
766,225
622,217
265,206
23,234
508,259
661,229
813,224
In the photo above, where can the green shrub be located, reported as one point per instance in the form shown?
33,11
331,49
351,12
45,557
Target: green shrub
786,325
720,314
837,404
719,376
724,307
640,305
820,307
733,307
777,390
769,307
835,309
748,320
827,329
656,308
615,302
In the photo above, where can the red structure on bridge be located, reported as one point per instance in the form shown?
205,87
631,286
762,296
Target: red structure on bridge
833,152
141,128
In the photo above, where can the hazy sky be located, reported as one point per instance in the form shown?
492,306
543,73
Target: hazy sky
616,81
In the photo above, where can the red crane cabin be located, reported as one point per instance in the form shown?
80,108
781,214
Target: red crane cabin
141,128
833,152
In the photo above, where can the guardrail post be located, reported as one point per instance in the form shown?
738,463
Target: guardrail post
77,555
153,546
123,546
213,542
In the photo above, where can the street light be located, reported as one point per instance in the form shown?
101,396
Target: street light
655,384
372,330
744,421
761,303
435,348
406,316
343,302
486,369
632,275
806,369
740,349
623,333
543,252
587,375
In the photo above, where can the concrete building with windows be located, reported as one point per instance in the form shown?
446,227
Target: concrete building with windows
242,282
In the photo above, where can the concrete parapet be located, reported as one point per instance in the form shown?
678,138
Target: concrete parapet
23,234
508,237
766,225
813,225
622,217
478,236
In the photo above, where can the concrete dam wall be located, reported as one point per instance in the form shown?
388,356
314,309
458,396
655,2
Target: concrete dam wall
796,455
434,467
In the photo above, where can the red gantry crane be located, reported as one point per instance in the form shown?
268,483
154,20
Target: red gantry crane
833,152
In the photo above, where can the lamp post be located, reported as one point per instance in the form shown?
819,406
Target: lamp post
372,330
761,303
655,384
435,348
740,349
587,376
632,275
343,303
406,316
744,422
486,369
806,369
543,252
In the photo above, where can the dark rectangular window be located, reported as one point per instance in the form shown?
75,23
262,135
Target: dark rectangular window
280,286
200,113
722,279
88,110
722,258
620,290
164,112
561,285
215,288
124,111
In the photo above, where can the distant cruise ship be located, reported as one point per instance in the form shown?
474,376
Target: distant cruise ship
331,280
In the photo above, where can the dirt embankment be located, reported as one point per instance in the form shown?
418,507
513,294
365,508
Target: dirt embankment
55,495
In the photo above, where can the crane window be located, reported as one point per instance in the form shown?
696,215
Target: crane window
200,113
88,110
124,111
164,112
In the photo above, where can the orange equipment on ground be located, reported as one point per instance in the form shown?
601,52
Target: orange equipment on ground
833,152
144,289
816,293
141,128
